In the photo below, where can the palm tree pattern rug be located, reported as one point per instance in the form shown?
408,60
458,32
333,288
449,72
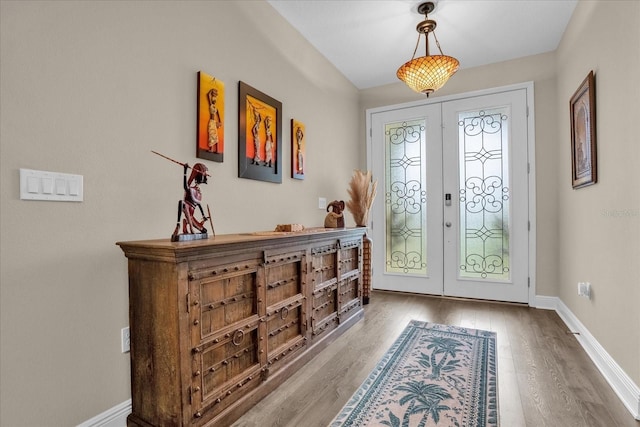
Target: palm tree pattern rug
433,375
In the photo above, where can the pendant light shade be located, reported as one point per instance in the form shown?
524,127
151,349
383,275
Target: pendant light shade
428,73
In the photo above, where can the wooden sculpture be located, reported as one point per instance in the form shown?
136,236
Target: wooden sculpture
192,229
335,217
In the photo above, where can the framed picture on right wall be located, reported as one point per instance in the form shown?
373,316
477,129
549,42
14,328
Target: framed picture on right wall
583,134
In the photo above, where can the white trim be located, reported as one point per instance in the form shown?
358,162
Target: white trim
439,99
545,303
114,417
620,382
532,196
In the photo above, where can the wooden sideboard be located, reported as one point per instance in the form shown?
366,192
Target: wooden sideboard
217,324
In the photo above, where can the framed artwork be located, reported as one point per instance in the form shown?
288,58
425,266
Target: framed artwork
210,126
298,149
583,134
259,135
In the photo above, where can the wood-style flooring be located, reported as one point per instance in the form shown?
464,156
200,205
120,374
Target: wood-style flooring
545,378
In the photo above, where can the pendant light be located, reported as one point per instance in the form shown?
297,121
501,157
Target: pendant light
428,73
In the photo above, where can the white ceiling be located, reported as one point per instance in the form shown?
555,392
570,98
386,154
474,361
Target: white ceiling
367,40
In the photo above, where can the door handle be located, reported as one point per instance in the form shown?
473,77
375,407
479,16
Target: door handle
447,224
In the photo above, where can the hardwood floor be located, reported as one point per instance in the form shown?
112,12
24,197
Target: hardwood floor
545,377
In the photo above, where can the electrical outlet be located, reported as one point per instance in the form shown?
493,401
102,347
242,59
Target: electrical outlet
587,290
125,334
322,203
584,289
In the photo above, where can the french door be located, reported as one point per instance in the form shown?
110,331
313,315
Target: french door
451,215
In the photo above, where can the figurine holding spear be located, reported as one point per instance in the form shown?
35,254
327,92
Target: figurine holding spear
192,229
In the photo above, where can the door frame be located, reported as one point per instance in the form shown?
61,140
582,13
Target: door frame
531,145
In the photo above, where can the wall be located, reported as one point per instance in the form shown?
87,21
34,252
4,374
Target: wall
91,88
599,225
541,70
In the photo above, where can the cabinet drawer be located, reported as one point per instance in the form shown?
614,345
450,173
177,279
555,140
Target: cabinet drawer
323,263
324,306
218,266
349,295
325,302
286,330
321,326
227,396
226,361
350,252
222,301
284,277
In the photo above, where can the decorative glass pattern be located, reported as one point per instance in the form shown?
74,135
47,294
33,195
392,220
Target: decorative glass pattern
406,198
484,194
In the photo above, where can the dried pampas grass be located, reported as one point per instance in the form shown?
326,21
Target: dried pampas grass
362,192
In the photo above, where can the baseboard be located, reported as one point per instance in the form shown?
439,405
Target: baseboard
622,384
545,303
114,417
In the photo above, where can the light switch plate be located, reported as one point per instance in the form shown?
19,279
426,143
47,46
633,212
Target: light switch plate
322,203
52,186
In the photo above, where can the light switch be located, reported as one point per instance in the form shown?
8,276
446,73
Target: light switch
52,186
33,184
47,185
61,186
74,188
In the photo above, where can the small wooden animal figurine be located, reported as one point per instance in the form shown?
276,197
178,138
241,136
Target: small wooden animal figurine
335,217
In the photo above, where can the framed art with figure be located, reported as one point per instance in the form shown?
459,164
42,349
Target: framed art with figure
259,135
298,149
210,126
583,134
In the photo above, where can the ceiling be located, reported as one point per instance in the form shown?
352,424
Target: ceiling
367,40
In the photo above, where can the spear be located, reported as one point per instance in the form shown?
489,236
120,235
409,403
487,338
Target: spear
213,230
174,161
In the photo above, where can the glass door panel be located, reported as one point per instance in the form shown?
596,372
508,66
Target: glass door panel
483,155
486,222
407,214
405,198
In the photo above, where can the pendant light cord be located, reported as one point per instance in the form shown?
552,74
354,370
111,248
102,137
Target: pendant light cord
426,37
416,49
437,43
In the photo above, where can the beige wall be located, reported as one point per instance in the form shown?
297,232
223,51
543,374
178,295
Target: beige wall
599,226
90,88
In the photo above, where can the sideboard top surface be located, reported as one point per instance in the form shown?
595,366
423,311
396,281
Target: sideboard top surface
166,250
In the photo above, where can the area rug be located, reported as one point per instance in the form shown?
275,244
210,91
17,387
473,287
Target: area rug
433,375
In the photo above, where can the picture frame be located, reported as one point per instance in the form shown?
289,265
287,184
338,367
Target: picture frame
259,135
298,149
583,134
210,118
